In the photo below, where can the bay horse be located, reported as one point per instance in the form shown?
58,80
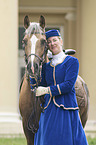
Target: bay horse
34,44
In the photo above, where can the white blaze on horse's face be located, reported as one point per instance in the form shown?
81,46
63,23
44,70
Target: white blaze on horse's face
33,42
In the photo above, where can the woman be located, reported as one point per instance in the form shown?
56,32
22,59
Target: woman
60,123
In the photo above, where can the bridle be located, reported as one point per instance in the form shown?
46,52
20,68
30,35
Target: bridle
41,60
31,125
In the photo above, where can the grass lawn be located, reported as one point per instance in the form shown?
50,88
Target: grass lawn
22,141
92,141
13,141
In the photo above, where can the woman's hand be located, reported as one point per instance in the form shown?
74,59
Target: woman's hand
42,90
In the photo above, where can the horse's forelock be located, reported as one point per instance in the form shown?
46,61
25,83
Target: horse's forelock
34,28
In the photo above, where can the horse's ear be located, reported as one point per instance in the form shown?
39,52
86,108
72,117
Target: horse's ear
26,22
42,21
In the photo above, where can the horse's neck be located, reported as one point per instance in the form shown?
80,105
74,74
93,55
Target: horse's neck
46,59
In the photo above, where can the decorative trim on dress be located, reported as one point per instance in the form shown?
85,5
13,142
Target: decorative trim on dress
54,76
62,106
59,89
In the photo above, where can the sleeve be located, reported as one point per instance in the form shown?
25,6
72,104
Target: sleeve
33,80
69,81
43,80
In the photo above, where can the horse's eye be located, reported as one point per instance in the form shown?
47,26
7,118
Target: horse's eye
43,42
25,41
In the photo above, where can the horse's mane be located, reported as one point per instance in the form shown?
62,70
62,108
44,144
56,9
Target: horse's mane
34,28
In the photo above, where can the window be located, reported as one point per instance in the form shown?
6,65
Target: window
21,35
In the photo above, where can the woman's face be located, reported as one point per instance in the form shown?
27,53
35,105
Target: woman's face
55,44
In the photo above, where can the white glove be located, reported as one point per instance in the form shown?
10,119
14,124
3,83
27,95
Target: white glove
42,90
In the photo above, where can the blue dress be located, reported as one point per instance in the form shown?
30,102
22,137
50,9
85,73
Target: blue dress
60,123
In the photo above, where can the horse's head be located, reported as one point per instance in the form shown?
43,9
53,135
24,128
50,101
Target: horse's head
34,43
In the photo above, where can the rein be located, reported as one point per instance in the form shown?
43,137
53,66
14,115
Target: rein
33,126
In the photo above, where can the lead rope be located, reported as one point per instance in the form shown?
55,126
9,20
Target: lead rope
33,126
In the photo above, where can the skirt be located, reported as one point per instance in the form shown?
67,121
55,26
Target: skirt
60,127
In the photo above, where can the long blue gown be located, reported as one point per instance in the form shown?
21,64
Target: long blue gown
60,123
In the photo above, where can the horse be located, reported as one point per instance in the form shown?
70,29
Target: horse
29,105
35,47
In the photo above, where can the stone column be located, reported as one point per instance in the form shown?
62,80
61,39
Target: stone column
9,116
88,55
70,30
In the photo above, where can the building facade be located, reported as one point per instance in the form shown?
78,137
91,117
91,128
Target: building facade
77,23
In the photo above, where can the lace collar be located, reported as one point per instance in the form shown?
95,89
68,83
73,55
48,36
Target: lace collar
58,58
